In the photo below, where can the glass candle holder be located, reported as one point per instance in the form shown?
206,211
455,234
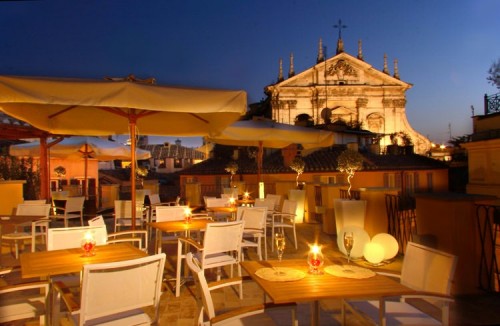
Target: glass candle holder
88,245
187,216
315,259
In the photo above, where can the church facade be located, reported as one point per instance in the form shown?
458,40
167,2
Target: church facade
345,87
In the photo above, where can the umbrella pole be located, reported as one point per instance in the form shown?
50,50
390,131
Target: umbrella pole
85,180
44,169
132,124
260,155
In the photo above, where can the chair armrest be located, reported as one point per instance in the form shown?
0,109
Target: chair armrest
72,303
7,270
390,275
237,314
289,215
429,295
241,312
25,286
225,282
191,242
128,233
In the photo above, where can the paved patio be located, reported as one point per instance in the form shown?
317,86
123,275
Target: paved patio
477,309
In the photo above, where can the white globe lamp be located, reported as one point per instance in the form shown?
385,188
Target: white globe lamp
389,243
374,253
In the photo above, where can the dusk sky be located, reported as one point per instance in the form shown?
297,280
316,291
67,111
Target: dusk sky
444,47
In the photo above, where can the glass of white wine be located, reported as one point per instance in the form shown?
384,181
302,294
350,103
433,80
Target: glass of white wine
279,239
348,244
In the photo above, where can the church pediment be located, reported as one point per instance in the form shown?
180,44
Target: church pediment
342,69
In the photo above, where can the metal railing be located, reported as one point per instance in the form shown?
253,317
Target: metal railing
491,103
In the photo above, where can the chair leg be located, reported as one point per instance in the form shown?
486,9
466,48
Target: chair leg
180,256
295,236
16,248
265,248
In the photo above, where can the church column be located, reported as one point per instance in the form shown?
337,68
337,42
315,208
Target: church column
399,114
315,109
389,121
361,103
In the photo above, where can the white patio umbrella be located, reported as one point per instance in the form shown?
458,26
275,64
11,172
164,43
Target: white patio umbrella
77,148
267,133
126,106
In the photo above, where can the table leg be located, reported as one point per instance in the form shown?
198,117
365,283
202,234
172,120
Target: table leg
315,313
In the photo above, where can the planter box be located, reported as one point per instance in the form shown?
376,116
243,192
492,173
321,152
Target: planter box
349,212
300,197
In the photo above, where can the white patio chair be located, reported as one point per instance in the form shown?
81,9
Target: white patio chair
170,213
34,201
247,315
64,238
266,202
284,220
72,209
277,201
426,270
138,238
67,238
254,232
99,301
123,214
38,228
221,247
58,195
23,301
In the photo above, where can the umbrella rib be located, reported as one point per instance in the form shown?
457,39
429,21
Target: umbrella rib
62,111
198,117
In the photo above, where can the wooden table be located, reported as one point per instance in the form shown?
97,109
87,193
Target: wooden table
224,209
64,261
15,220
177,226
317,287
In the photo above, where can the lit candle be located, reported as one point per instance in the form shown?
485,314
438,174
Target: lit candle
187,215
232,202
88,244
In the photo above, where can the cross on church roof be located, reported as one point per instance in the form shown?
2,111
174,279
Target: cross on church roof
340,26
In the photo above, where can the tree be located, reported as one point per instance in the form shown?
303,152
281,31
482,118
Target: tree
298,165
349,161
494,74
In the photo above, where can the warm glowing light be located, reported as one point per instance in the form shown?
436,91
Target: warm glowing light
374,252
261,189
187,215
88,244
246,195
442,147
88,236
315,259
389,243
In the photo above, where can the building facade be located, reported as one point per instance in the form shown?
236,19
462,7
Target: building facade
346,88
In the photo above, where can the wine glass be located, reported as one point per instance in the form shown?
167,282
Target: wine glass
348,244
279,239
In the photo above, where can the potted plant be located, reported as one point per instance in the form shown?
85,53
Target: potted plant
349,212
393,148
298,165
141,172
407,143
232,167
349,162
